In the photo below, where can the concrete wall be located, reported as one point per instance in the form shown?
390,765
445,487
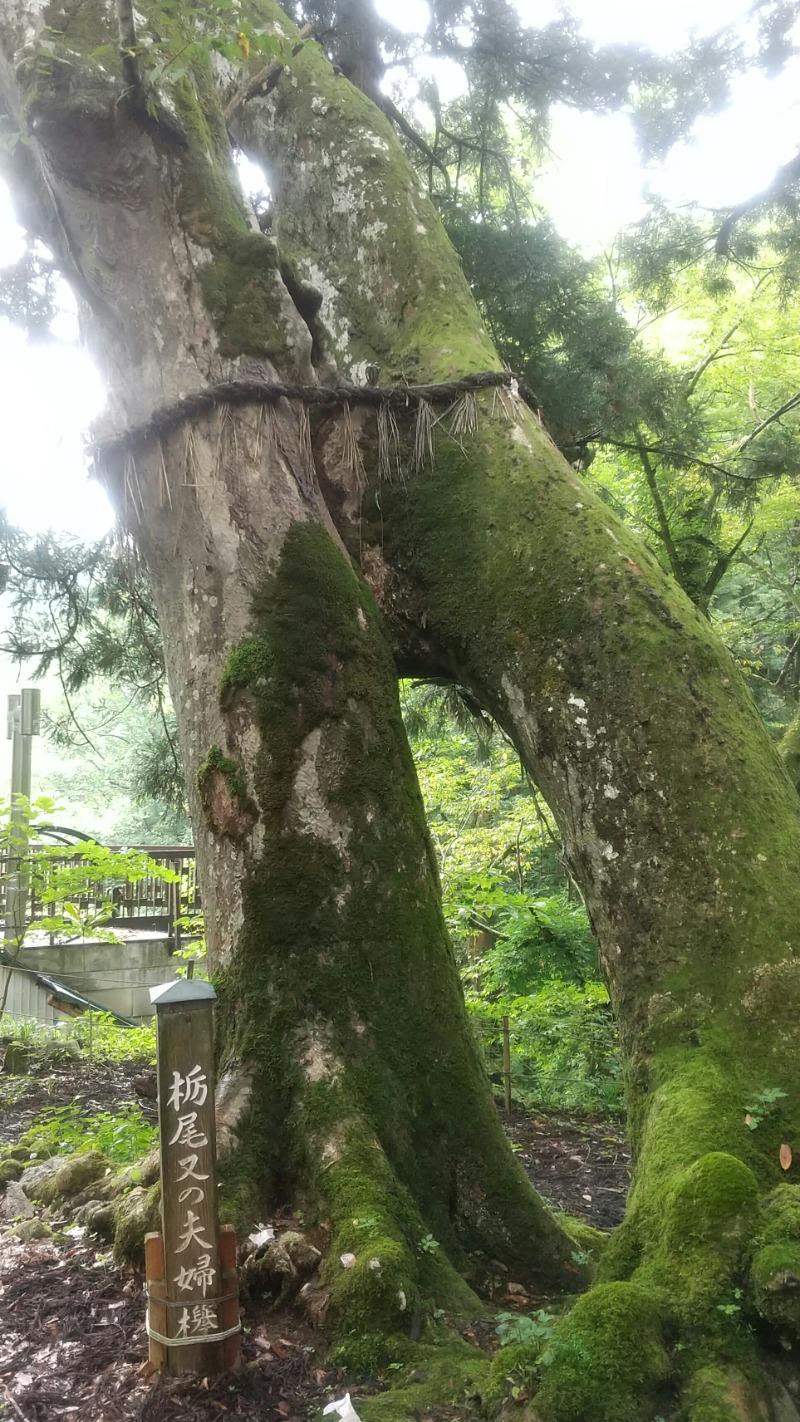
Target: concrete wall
115,975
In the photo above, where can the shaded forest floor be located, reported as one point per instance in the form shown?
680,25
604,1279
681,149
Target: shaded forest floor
72,1340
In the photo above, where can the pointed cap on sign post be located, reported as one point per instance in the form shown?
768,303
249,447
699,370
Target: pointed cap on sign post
181,990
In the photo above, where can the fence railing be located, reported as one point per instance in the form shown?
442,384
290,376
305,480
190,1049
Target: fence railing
150,904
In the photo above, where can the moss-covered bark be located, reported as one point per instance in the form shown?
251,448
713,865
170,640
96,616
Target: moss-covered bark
350,1082
499,566
342,992
350,1077
790,750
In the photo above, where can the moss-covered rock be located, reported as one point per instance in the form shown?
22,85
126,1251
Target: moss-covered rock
283,1267
30,1230
515,1370
9,1170
16,1152
138,1214
37,1174
775,1276
98,1216
452,1374
779,1216
590,1243
75,1175
609,1360
717,1394
710,1213
145,1172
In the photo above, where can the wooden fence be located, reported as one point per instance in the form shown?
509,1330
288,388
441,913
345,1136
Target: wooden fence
148,904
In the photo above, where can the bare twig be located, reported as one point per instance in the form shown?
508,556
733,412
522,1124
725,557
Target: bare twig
407,129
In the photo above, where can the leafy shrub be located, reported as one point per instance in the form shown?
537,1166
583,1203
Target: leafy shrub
526,1328
564,1046
538,940
111,1041
122,1135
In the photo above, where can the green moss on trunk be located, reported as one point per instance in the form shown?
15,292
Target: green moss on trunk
625,708
342,994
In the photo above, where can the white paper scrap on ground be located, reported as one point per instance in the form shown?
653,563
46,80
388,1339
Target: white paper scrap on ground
345,1409
263,1235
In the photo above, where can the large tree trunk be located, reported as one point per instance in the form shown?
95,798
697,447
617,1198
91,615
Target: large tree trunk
498,565
351,1083
351,1074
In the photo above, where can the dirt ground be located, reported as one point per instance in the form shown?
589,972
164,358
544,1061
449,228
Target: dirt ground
72,1340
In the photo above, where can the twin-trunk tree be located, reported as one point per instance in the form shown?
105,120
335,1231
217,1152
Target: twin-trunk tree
300,556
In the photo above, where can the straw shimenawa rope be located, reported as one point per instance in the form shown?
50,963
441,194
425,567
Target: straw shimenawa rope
246,391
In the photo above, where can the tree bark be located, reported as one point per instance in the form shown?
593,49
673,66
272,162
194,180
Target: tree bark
350,1080
351,1075
497,565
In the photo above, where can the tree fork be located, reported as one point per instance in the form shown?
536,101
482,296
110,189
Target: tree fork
501,567
344,1043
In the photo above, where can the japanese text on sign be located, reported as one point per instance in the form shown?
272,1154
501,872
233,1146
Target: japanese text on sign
195,1273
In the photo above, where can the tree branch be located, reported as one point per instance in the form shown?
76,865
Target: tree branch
665,532
392,112
770,420
775,193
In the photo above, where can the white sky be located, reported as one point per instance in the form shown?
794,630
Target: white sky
593,186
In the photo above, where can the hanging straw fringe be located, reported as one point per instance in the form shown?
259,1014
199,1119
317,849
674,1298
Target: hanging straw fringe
189,460
464,423
132,488
265,434
423,435
163,481
388,444
226,394
351,449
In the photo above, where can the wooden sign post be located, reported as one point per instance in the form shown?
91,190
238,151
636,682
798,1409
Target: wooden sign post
193,1316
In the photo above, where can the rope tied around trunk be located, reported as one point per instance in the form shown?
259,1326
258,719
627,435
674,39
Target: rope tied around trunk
386,400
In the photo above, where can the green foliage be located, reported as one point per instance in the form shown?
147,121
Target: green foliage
538,940
495,841
110,1040
118,776
55,877
113,1042
194,950
564,1045
761,1105
526,1328
499,863
557,325
122,1136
